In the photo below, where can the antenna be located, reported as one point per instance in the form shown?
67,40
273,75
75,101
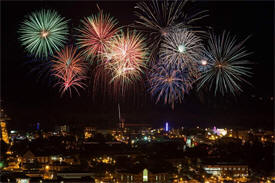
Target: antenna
118,111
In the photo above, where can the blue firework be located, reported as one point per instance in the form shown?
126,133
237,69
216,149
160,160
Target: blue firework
169,84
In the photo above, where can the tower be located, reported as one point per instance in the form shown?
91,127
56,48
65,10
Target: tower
121,120
3,125
166,127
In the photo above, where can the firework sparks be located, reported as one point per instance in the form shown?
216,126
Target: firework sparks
127,55
170,84
43,32
226,64
70,69
181,48
157,18
96,33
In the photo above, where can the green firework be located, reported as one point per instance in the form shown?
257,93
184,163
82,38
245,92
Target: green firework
43,32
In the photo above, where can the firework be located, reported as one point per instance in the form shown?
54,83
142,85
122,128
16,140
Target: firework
126,57
96,32
70,69
170,83
181,48
43,32
156,18
225,64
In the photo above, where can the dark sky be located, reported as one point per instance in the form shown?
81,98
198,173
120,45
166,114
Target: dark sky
29,99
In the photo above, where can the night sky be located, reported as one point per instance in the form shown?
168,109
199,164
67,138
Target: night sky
28,99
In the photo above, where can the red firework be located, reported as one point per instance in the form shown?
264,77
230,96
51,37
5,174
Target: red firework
96,32
70,69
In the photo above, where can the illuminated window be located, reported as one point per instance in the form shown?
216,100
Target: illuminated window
156,178
22,180
145,175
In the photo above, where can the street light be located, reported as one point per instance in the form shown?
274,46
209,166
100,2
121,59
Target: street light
47,167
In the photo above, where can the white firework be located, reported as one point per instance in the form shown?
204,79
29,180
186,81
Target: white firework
181,48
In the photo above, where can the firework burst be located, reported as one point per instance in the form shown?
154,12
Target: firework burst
181,48
169,84
96,32
157,18
70,69
43,32
126,57
225,65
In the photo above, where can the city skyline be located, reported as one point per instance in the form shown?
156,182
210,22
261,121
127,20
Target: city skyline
153,91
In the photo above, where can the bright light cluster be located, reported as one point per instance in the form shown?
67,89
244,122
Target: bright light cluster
166,53
126,56
43,32
70,69
95,33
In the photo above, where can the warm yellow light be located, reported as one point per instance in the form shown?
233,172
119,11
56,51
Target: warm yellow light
44,33
47,167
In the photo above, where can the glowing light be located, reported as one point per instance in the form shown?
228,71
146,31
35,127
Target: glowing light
44,34
145,175
182,48
166,127
169,84
96,32
5,135
156,18
227,66
47,167
1,164
123,52
203,62
22,180
127,56
70,69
